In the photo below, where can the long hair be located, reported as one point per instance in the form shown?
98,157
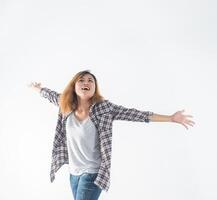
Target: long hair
69,99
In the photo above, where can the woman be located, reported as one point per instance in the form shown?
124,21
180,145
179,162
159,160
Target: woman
83,137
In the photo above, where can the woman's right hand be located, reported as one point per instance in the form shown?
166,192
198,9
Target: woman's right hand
36,86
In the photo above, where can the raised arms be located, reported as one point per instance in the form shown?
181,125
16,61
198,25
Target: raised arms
132,114
51,95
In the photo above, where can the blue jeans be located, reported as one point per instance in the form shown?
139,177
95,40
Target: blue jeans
83,187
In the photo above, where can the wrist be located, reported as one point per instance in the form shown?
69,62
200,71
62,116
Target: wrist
38,89
171,118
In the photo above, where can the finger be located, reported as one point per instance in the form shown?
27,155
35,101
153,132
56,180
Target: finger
188,120
188,116
192,122
184,125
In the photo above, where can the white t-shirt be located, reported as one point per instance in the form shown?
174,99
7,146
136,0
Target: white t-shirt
83,146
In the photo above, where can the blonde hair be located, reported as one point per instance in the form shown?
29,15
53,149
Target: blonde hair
69,100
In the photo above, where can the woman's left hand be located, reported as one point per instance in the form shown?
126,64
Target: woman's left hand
178,117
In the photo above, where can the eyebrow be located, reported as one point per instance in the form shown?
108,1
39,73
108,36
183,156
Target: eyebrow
88,78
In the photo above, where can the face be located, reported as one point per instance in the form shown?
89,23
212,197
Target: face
85,87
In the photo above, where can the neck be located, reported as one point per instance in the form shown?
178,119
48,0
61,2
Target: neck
83,106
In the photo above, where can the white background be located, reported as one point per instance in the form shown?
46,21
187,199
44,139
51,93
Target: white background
157,55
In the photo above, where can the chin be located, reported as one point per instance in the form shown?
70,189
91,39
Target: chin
84,97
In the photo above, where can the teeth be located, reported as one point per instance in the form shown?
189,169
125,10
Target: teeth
86,88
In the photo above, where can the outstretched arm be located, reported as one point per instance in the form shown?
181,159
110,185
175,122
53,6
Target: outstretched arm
177,117
51,95
132,114
120,112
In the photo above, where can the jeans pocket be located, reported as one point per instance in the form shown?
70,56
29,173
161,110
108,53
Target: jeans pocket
90,177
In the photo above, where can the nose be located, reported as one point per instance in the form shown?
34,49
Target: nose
86,85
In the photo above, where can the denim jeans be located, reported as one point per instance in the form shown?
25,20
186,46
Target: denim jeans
83,187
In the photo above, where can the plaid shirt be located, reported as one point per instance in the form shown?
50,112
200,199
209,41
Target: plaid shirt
102,115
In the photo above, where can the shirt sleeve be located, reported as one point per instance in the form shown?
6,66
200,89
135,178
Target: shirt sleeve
120,112
51,95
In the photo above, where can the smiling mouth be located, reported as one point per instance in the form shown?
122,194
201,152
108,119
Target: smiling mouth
85,88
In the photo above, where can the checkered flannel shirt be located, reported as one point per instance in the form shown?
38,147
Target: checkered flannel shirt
102,115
